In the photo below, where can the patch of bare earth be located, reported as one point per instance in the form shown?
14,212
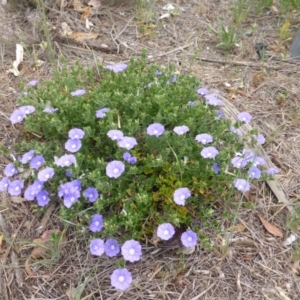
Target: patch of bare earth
246,261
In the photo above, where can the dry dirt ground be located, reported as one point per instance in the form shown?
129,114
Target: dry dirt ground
246,261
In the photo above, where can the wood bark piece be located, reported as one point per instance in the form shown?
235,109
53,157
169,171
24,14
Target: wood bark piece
232,113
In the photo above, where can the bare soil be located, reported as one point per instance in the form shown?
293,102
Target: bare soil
246,261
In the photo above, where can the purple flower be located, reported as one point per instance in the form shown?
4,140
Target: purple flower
78,93
238,131
91,194
192,103
73,145
132,160
272,171
68,173
158,73
254,172
165,231
27,157
17,116
46,174
209,152
70,192
204,138
202,91
180,195
114,169
121,279
76,184
127,142
131,250
245,117
33,82
50,110
189,238
43,198
213,100
32,190
15,187
260,139
117,67
101,113
29,193
27,109
97,223
115,134
248,155
111,248
76,133
37,185
174,78
216,168
155,129
180,130
37,162
258,161
10,170
126,156
242,185
239,162
220,114
66,160
97,247
4,183
71,198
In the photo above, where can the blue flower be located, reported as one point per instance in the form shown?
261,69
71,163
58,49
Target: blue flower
91,194
111,248
180,195
117,67
189,239
73,145
155,129
97,247
78,93
127,142
254,172
180,130
165,231
101,113
209,152
245,117
242,185
114,169
97,223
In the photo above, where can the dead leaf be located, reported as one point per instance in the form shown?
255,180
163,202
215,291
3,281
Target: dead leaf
81,36
296,267
28,269
79,6
270,227
250,196
43,248
237,228
86,14
94,4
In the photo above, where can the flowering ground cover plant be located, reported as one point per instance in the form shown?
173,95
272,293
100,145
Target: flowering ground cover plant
134,150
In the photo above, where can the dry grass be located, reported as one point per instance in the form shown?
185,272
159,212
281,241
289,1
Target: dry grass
248,264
